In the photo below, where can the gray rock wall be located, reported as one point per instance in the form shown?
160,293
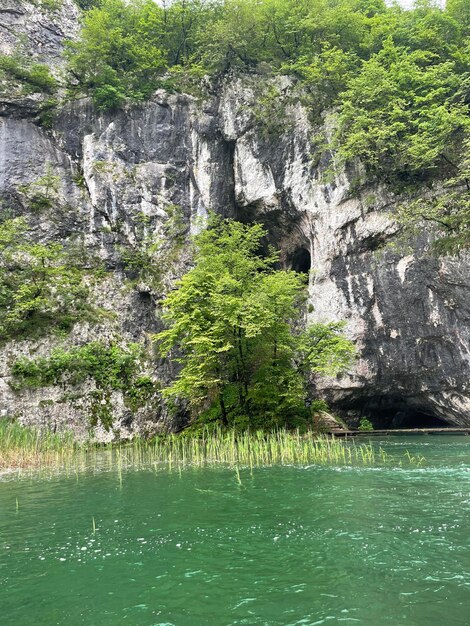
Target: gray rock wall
38,30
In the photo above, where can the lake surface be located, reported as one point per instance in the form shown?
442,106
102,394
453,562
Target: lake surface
289,545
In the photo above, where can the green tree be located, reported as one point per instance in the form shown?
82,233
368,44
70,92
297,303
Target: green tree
403,116
233,327
40,290
119,54
460,11
446,206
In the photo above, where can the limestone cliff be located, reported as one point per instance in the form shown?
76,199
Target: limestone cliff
123,173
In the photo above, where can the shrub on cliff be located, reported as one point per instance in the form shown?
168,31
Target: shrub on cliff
41,289
34,77
109,366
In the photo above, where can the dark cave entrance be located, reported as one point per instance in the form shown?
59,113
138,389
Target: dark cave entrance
416,419
301,261
390,412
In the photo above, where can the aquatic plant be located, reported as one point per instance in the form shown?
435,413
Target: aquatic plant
22,449
253,449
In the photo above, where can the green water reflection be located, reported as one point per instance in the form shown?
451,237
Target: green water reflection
290,545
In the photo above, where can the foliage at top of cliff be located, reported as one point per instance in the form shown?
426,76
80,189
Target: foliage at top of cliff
399,79
396,80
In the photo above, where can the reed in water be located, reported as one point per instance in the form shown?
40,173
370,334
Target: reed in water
281,447
22,447
25,448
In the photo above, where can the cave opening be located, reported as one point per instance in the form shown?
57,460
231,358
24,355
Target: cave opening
284,232
301,261
392,412
417,419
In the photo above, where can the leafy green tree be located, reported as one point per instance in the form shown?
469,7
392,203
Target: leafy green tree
402,115
183,20
232,327
326,75
233,36
119,54
40,290
323,348
460,11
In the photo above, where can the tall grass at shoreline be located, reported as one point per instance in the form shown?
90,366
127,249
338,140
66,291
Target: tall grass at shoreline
28,449
22,447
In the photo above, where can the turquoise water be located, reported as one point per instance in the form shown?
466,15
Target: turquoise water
290,545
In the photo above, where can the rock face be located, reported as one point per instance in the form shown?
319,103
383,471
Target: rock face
34,33
38,29
123,173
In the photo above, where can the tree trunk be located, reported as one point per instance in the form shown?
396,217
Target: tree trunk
223,409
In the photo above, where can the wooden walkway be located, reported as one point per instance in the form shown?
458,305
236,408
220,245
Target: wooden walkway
401,431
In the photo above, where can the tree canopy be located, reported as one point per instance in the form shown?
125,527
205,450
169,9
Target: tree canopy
233,326
398,80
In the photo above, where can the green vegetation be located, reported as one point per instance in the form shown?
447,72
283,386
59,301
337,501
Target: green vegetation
20,76
279,447
269,112
119,54
110,367
34,77
233,320
155,254
22,447
51,5
43,193
446,206
397,80
365,425
29,448
41,288
405,115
